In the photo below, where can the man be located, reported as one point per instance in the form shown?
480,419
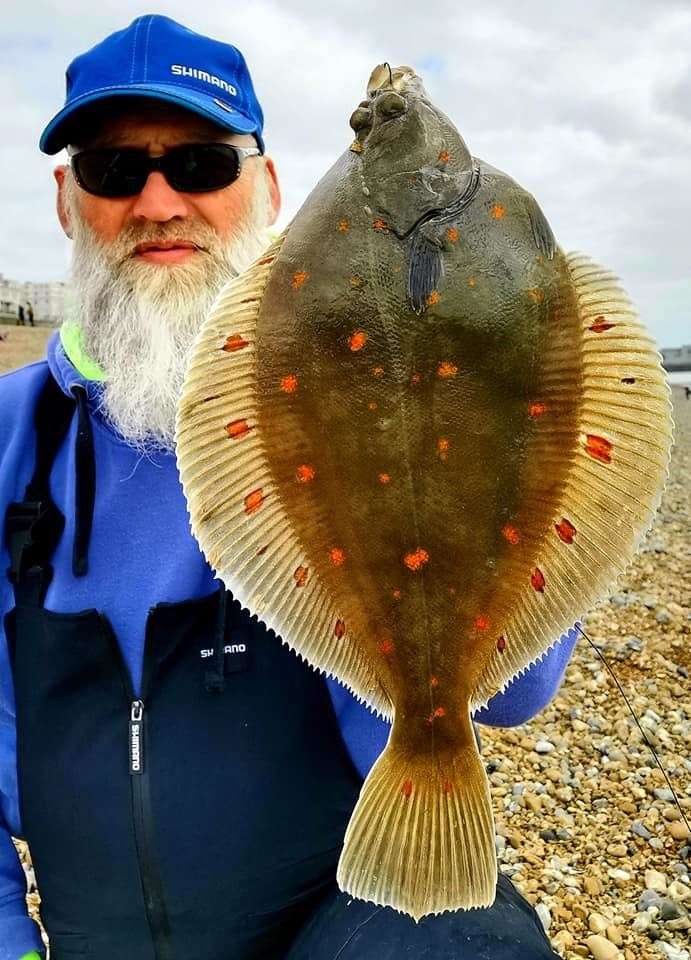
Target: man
183,780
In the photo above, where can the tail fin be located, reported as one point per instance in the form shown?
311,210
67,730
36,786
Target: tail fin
421,837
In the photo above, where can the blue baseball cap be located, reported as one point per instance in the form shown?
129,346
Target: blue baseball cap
155,57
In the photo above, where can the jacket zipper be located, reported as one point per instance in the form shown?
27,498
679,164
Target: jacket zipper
149,874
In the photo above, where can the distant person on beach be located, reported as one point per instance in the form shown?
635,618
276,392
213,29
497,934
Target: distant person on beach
30,313
20,316
185,779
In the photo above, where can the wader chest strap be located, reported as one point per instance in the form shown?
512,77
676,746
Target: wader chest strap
34,525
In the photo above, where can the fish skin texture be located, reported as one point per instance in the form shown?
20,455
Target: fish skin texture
418,440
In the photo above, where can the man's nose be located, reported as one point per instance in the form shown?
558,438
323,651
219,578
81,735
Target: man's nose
158,201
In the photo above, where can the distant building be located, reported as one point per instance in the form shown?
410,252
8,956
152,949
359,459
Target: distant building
47,299
677,358
11,295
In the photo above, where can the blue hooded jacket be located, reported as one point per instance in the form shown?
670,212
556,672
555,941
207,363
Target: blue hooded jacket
142,553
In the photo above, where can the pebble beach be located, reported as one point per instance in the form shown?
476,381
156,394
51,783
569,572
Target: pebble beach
586,824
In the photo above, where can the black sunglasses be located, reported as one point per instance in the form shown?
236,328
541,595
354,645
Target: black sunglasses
189,168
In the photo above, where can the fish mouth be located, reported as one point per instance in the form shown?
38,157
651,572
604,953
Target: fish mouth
384,77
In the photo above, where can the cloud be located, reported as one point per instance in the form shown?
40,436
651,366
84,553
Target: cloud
586,105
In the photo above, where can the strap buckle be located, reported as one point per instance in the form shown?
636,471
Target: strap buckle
32,531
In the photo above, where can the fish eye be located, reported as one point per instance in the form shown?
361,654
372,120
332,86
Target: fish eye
362,117
391,104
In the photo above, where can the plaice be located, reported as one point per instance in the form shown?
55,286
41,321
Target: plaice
419,441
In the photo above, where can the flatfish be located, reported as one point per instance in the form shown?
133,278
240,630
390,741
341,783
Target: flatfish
418,440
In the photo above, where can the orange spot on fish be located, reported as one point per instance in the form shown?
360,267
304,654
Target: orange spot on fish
343,226
267,260
434,681
536,295
565,530
355,281
501,644
356,146
262,550
396,594
447,786
372,405
384,478
289,384
416,559
337,556
443,445
253,501
304,473
407,788
380,225
452,234
237,428
481,623
537,580
598,448
452,591
385,646
599,325
235,342
446,369
444,156
433,298
536,410
340,628
497,211
378,371
250,300
300,576
357,340
439,712
472,281
511,534
299,278
415,378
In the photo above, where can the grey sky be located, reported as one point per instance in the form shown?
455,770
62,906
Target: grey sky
588,105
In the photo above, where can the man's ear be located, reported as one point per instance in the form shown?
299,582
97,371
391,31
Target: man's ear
61,173
274,190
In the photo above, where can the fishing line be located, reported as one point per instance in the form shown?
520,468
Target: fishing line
645,736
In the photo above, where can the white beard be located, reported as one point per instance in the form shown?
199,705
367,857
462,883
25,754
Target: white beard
139,319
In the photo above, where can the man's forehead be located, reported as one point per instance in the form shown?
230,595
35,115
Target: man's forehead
138,121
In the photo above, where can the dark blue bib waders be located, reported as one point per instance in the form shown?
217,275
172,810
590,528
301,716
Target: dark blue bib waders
202,818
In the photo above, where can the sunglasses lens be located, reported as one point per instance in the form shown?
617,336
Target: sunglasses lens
111,173
199,168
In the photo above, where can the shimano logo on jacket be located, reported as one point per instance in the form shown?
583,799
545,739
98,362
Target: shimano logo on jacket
229,648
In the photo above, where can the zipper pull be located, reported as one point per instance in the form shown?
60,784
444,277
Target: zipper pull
137,737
